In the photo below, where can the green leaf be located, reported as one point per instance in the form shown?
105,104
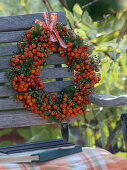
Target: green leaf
121,154
123,64
69,16
25,133
78,42
117,55
69,89
90,116
86,18
53,119
80,32
119,143
100,116
1,7
46,113
5,143
37,26
123,31
115,72
106,37
36,129
77,11
89,137
85,26
104,133
110,80
33,32
41,28
121,13
5,131
39,133
37,30
106,49
22,2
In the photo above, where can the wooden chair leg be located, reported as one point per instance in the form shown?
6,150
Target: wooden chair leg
124,127
65,131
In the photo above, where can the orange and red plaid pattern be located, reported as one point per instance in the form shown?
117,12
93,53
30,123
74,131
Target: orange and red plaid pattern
89,159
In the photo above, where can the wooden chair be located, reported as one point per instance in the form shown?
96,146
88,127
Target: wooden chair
107,100
12,28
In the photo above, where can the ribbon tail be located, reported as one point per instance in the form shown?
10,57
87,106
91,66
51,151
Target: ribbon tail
62,44
52,27
52,37
46,18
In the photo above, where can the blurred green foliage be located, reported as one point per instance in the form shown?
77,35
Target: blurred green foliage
109,40
96,8
101,126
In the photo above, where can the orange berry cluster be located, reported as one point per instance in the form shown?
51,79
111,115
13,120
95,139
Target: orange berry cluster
26,66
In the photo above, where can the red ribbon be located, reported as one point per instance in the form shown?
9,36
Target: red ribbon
54,35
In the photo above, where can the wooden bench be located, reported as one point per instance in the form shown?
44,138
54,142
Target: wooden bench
12,114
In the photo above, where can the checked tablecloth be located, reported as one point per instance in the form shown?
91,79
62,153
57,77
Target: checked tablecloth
89,159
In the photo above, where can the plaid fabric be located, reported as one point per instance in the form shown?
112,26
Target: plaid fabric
89,159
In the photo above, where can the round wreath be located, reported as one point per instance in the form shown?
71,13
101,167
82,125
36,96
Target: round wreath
40,41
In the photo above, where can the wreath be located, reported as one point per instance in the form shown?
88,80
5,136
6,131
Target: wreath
40,41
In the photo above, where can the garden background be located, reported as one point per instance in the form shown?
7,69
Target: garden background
104,24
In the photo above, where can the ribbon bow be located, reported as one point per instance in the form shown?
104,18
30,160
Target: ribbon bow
54,35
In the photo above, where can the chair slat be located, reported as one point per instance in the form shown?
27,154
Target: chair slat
6,91
8,50
3,77
49,86
53,59
107,100
22,22
13,36
56,86
20,119
48,73
10,103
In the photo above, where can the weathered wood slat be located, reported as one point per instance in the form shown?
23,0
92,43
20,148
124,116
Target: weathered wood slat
107,100
20,119
53,59
8,50
48,73
49,86
3,77
13,36
22,22
6,91
10,103
56,86
4,63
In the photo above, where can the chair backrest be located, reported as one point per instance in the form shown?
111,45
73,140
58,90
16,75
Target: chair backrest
12,28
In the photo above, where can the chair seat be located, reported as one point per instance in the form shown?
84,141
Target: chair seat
90,158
